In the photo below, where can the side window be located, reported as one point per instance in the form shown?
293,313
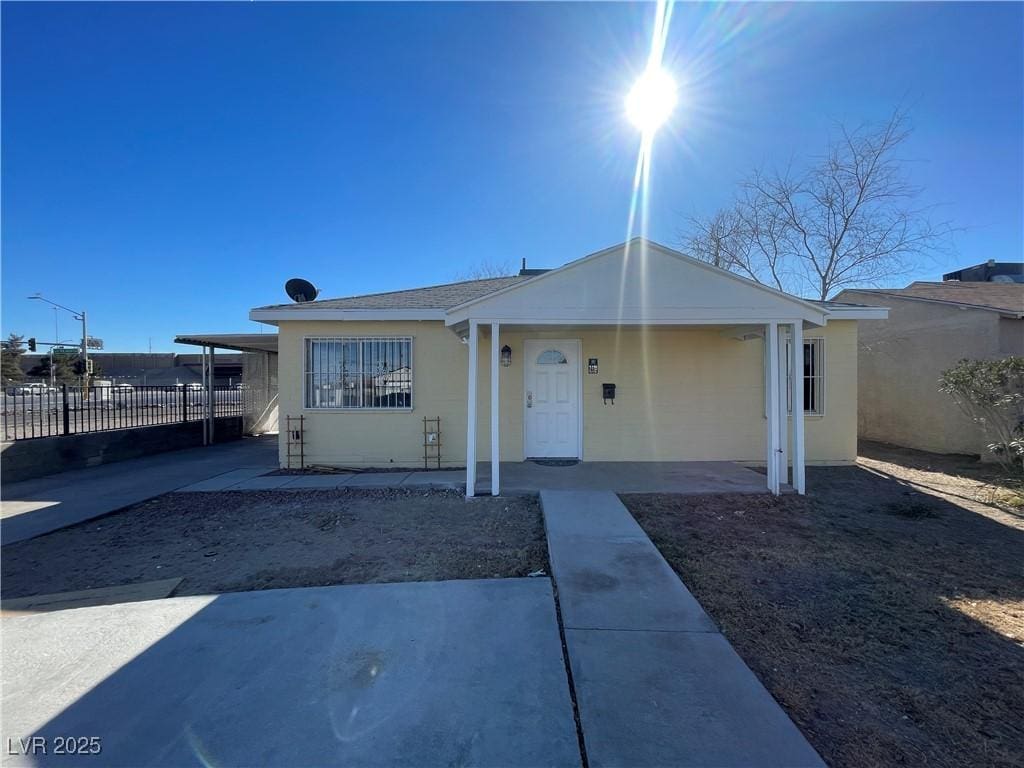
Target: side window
813,377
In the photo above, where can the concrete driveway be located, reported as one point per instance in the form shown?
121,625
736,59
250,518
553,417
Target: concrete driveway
421,674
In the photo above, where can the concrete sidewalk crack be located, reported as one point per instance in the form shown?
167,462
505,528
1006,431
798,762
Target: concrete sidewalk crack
584,762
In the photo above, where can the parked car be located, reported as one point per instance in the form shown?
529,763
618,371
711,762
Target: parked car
194,385
32,388
123,387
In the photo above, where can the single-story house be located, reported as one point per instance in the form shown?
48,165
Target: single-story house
634,353
931,326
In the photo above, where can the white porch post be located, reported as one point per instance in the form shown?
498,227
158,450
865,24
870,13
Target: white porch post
796,365
783,453
772,410
471,412
495,413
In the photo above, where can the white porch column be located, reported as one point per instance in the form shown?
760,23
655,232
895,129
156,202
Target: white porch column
771,338
471,412
495,412
796,365
783,409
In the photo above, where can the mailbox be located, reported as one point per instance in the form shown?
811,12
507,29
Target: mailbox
608,393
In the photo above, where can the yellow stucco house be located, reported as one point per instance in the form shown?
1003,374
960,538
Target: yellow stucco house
634,353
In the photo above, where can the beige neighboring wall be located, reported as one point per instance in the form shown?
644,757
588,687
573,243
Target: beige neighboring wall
900,360
682,394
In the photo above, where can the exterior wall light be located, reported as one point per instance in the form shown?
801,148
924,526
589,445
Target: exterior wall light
506,356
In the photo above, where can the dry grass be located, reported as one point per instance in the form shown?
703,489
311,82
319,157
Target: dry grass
887,619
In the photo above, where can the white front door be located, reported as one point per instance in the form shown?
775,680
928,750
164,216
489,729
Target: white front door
552,398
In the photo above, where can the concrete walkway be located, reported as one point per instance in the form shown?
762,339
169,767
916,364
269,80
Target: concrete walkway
656,684
34,507
453,673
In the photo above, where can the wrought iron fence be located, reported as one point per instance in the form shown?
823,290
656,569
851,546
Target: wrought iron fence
36,410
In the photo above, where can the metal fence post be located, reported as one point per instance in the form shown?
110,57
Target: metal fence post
65,409
184,404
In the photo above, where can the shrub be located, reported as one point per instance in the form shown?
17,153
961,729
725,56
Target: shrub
991,393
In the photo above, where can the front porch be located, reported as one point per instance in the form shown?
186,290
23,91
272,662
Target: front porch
635,354
690,477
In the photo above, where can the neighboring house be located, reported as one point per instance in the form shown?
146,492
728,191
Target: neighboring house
682,342
931,326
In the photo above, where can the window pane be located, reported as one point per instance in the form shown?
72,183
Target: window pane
551,357
358,373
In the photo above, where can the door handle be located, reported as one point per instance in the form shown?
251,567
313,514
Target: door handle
529,399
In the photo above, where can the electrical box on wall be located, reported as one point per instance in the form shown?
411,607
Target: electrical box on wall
608,393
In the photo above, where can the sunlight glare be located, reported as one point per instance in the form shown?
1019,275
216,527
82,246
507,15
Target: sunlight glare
651,100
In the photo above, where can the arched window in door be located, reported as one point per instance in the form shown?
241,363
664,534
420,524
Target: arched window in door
551,357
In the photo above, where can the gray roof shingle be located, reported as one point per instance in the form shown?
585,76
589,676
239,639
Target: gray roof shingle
432,297
1000,297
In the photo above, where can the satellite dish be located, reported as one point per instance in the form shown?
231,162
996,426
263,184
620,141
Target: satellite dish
300,290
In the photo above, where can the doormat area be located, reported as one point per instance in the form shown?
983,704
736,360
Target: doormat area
556,462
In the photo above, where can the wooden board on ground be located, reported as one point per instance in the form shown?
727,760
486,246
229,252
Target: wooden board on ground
124,593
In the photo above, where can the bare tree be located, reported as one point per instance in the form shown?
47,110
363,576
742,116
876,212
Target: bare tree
485,269
848,218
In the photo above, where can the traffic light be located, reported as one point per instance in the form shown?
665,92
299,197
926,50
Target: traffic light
32,344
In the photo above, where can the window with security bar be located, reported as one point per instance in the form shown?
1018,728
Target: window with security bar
814,377
359,373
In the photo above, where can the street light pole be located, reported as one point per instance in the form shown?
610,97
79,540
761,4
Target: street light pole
85,358
85,340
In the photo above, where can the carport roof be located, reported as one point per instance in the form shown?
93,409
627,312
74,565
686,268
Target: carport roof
242,342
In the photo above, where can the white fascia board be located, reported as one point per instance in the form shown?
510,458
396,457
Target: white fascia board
277,315
684,318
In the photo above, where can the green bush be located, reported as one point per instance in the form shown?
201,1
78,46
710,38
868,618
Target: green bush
991,392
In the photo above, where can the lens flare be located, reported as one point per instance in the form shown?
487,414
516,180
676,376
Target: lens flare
651,101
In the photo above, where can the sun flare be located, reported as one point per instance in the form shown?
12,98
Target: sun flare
651,100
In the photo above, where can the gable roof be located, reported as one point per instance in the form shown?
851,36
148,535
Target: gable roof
1006,298
644,284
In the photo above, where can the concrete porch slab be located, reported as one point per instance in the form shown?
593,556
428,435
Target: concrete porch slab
418,674
626,477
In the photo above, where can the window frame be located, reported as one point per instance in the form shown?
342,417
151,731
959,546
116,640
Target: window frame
818,378
358,340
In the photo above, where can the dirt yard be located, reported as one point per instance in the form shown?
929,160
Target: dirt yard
232,541
884,611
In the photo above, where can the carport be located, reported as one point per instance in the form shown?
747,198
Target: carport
260,379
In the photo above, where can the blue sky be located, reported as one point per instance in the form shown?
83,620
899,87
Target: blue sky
169,166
